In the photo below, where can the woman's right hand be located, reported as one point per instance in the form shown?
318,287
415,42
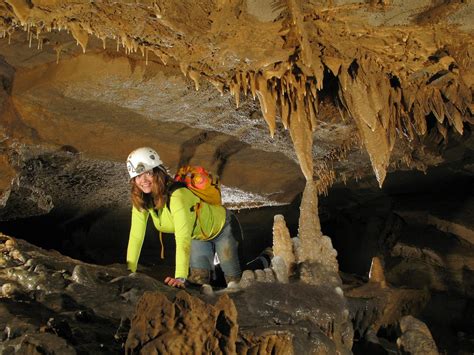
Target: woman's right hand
178,283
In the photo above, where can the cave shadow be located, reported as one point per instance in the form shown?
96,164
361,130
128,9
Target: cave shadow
188,148
225,151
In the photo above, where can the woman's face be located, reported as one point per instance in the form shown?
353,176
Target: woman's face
145,181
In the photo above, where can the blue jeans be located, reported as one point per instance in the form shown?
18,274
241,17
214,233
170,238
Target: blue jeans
225,244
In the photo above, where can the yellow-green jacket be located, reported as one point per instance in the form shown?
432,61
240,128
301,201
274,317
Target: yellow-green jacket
180,219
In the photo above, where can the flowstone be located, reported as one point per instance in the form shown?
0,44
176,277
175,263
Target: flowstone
186,325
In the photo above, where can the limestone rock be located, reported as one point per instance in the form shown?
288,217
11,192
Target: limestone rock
282,245
185,325
416,338
376,273
280,269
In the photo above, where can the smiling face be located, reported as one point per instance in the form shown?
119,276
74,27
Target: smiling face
145,181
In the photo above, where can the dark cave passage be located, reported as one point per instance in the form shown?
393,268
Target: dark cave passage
101,236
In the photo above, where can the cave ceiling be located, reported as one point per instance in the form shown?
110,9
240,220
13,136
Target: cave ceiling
267,93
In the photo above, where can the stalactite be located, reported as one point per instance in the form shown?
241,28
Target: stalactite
310,112
234,89
194,75
277,71
302,137
244,81
183,66
160,54
366,94
442,130
267,101
79,35
219,85
326,178
437,105
458,122
419,119
21,10
334,64
253,84
285,110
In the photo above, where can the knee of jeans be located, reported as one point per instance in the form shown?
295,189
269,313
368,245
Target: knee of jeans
200,262
227,247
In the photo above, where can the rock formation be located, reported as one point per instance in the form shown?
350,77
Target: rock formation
416,337
280,98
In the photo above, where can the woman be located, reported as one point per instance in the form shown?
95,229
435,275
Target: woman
173,210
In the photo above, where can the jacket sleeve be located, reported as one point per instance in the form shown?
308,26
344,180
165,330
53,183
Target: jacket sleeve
137,235
184,218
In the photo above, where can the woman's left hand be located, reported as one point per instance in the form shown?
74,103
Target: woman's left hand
175,282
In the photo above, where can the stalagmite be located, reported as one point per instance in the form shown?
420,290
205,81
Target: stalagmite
280,269
309,225
282,245
376,273
320,265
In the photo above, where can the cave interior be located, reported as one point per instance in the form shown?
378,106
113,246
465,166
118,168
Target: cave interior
351,119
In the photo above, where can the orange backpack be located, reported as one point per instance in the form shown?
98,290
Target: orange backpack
201,182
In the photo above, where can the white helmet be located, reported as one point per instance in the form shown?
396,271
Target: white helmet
141,160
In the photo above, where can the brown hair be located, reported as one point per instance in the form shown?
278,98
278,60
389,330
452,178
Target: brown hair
158,196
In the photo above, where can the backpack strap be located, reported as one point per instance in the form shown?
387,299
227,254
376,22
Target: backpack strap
162,255
171,187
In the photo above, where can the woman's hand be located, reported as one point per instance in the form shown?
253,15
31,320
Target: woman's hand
178,283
